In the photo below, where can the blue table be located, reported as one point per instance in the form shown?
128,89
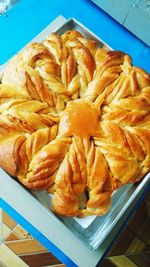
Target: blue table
27,19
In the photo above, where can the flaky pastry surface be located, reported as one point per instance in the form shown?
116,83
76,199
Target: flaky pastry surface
74,120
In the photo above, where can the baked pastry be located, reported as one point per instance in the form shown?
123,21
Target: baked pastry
74,120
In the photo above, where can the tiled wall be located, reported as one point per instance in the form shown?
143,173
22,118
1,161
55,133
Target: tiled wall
19,249
132,249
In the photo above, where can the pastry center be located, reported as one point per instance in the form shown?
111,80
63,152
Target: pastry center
79,118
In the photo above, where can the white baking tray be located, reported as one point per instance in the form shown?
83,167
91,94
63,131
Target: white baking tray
92,230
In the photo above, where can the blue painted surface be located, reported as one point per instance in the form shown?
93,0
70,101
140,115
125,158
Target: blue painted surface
29,17
36,234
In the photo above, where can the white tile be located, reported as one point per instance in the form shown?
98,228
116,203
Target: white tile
8,258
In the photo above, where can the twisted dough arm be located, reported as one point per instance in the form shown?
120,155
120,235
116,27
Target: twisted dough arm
25,115
70,180
55,71
88,47
63,56
73,35
18,150
75,54
132,111
43,72
73,178
143,136
124,151
39,166
69,75
115,78
8,92
54,45
130,82
99,198
9,146
85,63
27,79
45,87
107,72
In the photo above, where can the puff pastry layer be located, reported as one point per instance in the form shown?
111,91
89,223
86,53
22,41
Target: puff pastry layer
75,120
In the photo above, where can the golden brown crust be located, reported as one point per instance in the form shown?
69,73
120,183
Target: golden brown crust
75,120
9,157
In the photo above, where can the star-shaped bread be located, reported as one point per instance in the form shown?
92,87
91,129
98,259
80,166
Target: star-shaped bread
74,120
